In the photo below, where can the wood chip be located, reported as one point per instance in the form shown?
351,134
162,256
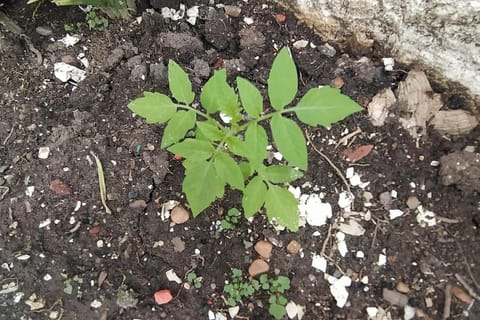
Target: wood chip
264,249
257,267
454,122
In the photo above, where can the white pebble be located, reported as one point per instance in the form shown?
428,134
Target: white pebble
43,152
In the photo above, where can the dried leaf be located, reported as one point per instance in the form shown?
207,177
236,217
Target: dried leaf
357,153
454,122
101,183
101,278
461,295
60,188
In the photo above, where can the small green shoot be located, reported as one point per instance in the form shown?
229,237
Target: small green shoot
237,289
101,183
95,21
194,280
231,219
234,151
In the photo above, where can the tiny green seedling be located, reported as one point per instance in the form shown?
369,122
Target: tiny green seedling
276,288
194,280
95,21
231,219
238,289
229,145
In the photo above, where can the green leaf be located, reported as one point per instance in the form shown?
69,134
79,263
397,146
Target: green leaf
237,146
246,169
193,148
252,100
209,130
281,174
282,205
178,127
290,141
253,196
283,80
180,85
281,300
324,106
200,186
256,144
217,95
154,107
228,170
277,311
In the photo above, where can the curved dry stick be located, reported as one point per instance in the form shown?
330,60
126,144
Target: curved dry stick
339,173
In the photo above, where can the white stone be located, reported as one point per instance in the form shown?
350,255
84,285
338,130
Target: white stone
300,44
338,289
248,20
372,312
388,63
29,191
360,255
64,72
341,244
382,259
69,41
43,152
291,309
426,218
233,311
44,223
315,211
95,304
395,213
172,276
319,263
345,200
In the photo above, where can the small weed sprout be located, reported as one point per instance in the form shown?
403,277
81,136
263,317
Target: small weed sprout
194,280
238,289
95,21
229,145
231,219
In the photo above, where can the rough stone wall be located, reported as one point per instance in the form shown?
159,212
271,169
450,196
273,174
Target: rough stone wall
441,35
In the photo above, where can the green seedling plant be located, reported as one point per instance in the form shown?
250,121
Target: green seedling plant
237,289
231,219
194,280
229,145
276,287
95,21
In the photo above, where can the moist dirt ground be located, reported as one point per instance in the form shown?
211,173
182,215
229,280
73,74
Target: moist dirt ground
63,257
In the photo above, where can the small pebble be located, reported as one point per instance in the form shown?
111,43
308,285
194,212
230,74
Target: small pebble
138,204
294,247
44,31
402,287
264,249
232,11
179,215
258,267
43,152
413,202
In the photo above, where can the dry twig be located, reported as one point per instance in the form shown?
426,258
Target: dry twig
448,302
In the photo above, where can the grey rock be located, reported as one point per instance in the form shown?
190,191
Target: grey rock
114,58
139,72
159,72
201,68
44,31
252,40
134,61
129,49
327,50
462,169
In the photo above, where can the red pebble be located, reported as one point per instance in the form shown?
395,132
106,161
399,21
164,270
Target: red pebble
163,296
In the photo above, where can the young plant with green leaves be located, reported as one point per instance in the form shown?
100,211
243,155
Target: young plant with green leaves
229,145
194,280
237,289
231,219
276,287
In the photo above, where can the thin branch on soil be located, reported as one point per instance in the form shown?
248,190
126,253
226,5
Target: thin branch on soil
467,266
339,173
467,286
325,242
3,192
448,302
9,134
447,220
374,239
348,136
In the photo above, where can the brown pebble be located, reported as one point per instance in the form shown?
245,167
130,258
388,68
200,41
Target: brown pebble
232,11
396,298
60,188
264,249
337,82
68,59
257,267
179,215
138,204
413,202
294,247
402,287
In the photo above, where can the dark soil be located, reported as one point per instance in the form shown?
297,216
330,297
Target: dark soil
133,245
